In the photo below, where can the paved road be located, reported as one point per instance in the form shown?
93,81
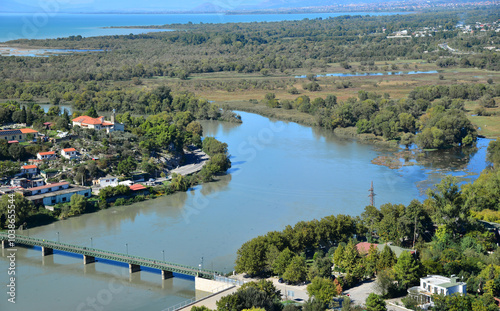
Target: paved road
359,294
195,160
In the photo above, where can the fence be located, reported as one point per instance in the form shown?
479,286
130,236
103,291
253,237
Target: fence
229,280
194,300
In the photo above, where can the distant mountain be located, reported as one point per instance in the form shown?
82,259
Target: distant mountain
208,7
278,4
9,6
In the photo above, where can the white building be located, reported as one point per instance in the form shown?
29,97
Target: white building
49,155
106,181
69,153
99,123
29,170
436,285
52,194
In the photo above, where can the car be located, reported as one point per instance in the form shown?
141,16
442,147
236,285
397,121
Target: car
280,280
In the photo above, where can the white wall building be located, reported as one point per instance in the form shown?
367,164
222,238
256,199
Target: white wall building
436,285
69,153
106,181
49,155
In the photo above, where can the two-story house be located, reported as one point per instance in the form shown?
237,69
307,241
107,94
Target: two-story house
29,170
436,285
69,153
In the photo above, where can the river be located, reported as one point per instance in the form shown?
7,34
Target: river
282,173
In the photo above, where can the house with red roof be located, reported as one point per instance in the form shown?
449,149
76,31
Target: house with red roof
364,248
138,189
19,135
49,155
29,170
99,123
69,153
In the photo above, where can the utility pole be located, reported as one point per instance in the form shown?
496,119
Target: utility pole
415,232
372,195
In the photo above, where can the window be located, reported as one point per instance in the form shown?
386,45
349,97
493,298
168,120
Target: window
20,137
86,194
64,199
53,201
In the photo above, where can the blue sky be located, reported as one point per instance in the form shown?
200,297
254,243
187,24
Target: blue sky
113,5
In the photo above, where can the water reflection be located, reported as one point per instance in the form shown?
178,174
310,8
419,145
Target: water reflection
213,128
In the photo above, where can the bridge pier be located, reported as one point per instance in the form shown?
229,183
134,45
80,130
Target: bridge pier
47,251
133,268
88,259
166,274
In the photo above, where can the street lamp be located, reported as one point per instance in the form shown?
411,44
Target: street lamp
91,245
126,245
163,252
57,236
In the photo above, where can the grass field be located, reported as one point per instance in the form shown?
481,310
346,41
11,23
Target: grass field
397,86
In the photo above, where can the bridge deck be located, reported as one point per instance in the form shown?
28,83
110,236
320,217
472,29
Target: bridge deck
98,253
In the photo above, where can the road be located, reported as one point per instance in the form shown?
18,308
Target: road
195,160
359,294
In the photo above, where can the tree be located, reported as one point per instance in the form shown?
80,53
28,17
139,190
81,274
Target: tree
493,154
371,260
387,259
371,217
195,127
321,267
125,167
17,152
54,111
251,257
92,112
384,283
78,204
23,208
375,303
322,289
265,286
447,206
8,168
338,256
296,271
406,270
350,257
313,305
283,261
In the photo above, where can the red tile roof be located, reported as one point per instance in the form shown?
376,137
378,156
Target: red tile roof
364,247
89,120
28,167
47,153
137,187
69,149
28,131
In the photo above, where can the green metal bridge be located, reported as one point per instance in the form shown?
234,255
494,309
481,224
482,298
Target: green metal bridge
89,255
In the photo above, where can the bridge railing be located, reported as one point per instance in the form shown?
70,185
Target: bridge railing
111,255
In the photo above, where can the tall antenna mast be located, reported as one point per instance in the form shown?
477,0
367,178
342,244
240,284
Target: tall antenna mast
372,195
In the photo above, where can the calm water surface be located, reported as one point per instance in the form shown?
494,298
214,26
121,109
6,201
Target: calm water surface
282,173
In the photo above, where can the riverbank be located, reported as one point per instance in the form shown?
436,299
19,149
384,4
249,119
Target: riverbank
302,118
